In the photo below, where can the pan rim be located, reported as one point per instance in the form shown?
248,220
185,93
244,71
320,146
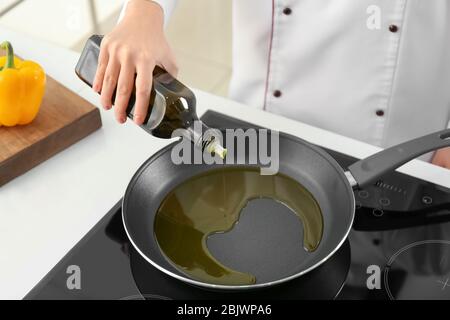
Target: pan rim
318,150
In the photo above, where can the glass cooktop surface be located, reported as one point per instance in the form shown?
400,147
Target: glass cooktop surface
399,248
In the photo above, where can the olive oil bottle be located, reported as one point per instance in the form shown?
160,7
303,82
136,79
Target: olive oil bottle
172,105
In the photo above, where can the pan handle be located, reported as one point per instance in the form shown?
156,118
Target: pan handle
369,169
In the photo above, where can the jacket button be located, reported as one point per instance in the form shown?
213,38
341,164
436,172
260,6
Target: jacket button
393,28
277,93
287,11
379,113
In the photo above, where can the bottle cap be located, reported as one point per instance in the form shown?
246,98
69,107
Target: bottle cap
216,148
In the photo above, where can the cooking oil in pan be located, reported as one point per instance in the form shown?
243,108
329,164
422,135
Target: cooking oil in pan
212,203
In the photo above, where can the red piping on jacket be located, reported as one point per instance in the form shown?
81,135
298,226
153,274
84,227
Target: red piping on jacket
270,55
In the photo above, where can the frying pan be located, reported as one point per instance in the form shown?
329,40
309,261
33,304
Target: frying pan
281,258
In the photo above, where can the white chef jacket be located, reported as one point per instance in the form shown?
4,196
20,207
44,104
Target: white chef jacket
374,70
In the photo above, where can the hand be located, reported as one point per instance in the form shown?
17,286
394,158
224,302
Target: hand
131,52
442,158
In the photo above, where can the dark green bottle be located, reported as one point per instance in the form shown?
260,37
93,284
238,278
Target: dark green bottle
172,104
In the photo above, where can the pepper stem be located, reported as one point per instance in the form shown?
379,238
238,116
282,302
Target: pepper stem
9,54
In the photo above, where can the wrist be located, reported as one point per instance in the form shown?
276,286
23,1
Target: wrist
145,7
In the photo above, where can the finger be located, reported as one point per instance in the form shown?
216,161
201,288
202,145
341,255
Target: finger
124,90
101,69
109,83
169,63
143,90
438,163
437,160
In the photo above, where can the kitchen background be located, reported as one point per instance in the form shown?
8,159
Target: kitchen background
199,32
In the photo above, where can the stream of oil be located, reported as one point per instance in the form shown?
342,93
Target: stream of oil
211,203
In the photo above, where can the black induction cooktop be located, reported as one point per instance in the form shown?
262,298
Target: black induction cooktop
399,248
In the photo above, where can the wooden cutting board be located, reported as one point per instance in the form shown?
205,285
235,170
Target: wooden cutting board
64,118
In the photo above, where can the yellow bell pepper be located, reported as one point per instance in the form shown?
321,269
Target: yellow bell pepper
22,88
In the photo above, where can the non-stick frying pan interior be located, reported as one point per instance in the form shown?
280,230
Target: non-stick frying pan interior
267,241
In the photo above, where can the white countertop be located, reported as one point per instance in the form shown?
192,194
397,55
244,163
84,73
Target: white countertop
46,211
